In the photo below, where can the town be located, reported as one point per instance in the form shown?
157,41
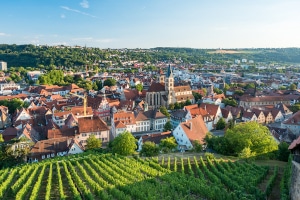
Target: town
47,113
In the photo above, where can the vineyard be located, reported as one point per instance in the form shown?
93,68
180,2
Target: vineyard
115,177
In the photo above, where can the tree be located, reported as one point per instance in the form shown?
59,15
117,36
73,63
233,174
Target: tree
139,87
149,149
197,146
168,144
124,144
164,111
13,104
109,82
218,91
230,101
93,142
197,96
168,126
283,151
247,154
171,106
244,135
221,124
188,102
239,92
176,105
296,107
293,86
204,90
1,138
250,134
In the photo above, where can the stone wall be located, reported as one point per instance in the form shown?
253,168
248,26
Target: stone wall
295,182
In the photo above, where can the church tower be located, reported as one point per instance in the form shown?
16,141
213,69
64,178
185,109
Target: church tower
169,86
169,82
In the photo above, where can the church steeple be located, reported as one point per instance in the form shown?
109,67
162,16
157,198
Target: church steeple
169,72
169,83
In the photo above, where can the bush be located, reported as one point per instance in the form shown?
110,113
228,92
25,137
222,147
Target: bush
209,156
149,149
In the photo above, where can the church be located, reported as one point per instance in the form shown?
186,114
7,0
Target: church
163,92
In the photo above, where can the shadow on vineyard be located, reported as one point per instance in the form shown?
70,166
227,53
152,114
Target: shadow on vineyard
106,176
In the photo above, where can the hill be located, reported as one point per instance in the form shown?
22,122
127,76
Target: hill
107,176
70,57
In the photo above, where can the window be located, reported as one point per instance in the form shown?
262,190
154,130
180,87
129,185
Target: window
43,156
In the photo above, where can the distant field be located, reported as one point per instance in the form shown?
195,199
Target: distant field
223,51
106,176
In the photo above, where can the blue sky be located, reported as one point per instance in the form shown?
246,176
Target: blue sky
152,23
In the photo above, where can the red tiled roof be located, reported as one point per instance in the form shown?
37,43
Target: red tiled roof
156,87
295,143
95,124
195,129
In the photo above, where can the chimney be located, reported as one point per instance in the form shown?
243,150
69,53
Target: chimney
190,123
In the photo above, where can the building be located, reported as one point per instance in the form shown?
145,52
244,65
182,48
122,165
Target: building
187,132
164,92
54,147
88,126
3,65
292,123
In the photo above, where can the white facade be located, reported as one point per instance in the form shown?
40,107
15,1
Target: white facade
101,135
279,117
181,138
158,124
143,125
75,149
3,65
253,118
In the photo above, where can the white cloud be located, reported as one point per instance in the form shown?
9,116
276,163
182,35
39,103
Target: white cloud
77,11
4,34
84,4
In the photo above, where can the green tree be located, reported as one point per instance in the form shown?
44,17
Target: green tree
168,144
171,106
109,82
204,90
164,111
250,134
168,126
239,92
95,86
177,105
197,146
221,124
230,101
188,102
149,149
247,154
197,96
93,142
295,108
1,138
13,104
283,151
139,87
218,91
124,144
293,86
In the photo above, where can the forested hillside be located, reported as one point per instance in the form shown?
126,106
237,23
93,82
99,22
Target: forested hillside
40,56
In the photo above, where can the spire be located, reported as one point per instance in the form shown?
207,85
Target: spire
169,72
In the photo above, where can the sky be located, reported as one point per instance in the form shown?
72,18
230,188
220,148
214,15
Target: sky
152,23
